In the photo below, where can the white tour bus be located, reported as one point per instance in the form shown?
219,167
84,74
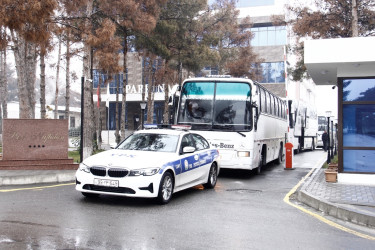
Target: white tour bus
322,126
241,118
303,125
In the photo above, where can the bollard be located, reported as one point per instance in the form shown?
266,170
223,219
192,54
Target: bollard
288,156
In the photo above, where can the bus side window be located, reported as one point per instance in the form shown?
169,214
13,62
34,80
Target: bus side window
268,99
272,105
277,107
263,101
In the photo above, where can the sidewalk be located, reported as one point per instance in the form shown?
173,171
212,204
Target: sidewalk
354,203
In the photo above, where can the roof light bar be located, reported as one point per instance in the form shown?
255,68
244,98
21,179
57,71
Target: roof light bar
185,127
150,126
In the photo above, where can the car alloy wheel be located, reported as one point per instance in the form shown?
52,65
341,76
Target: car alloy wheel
212,177
166,188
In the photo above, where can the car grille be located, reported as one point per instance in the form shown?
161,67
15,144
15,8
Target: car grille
117,172
112,172
98,171
122,190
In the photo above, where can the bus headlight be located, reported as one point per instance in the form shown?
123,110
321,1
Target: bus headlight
243,153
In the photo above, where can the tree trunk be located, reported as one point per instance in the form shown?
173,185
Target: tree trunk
166,94
88,120
42,84
124,82
26,60
150,99
99,117
4,85
354,18
67,77
117,121
57,81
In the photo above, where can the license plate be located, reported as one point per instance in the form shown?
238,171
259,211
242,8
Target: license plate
106,183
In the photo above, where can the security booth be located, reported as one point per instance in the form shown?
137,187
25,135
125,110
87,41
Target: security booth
349,64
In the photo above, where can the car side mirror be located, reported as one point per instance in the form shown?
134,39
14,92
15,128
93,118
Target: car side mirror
188,149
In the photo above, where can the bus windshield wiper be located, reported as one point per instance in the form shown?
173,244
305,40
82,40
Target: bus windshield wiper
241,133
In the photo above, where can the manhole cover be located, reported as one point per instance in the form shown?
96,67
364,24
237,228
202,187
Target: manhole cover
244,190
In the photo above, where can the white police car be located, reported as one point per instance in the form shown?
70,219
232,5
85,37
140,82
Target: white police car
150,163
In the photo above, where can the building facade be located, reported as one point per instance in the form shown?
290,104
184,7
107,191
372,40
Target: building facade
330,62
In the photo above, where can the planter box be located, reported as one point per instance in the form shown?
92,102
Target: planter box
333,166
331,175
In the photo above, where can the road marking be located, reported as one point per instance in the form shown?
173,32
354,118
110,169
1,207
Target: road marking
35,188
319,217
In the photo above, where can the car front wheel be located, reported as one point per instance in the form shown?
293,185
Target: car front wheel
165,188
212,177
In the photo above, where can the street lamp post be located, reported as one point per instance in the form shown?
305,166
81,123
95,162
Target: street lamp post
336,139
143,107
328,113
333,139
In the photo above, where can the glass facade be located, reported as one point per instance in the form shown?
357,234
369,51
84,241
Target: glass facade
269,36
117,79
252,3
358,125
273,72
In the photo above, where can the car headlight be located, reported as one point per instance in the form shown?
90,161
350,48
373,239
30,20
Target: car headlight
144,171
84,168
243,154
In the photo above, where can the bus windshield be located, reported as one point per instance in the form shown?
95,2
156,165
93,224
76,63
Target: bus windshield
216,105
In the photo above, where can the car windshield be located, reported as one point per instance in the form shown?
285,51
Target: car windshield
150,142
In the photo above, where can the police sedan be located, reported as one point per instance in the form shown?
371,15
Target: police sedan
151,163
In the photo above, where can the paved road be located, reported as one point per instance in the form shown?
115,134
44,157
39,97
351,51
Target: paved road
244,211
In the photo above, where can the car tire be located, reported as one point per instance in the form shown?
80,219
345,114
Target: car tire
212,177
90,195
165,189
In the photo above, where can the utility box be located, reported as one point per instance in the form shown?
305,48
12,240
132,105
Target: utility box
289,156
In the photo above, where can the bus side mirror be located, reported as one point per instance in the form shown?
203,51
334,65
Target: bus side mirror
256,115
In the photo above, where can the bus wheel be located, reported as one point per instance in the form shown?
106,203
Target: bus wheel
259,168
280,158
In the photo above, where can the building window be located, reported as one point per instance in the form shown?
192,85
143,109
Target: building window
268,36
61,117
117,79
273,72
72,122
358,124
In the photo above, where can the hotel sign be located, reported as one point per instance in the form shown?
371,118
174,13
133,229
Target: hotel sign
35,139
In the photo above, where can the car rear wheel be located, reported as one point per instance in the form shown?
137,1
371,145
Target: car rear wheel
212,177
165,188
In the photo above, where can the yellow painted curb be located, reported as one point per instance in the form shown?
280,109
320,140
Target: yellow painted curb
34,188
319,217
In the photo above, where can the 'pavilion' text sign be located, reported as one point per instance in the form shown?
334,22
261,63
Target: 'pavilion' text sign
35,139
